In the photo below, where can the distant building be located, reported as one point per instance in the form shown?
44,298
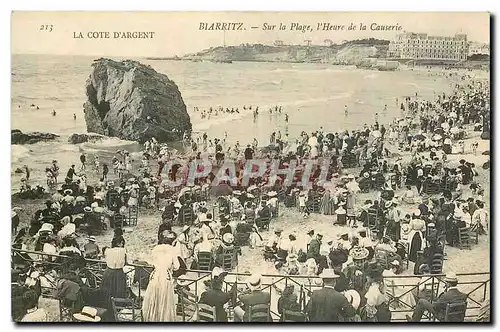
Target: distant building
278,43
424,47
479,48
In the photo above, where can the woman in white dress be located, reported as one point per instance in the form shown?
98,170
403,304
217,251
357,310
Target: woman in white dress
159,300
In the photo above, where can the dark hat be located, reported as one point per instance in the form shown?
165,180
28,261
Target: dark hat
311,232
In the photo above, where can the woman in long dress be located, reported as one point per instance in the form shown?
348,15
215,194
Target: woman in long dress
114,280
159,300
416,237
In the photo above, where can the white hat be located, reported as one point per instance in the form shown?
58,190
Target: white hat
94,205
87,209
88,314
350,176
92,238
451,277
217,271
328,274
46,227
254,281
228,238
353,298
395,263
272,193
417,212
68,192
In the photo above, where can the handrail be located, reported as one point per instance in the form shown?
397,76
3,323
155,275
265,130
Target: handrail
94,266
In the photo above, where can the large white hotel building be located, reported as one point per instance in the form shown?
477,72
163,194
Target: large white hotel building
424,47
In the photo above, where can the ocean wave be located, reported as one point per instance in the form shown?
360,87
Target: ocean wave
18,152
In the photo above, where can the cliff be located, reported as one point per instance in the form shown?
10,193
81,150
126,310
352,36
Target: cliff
132,101
348,53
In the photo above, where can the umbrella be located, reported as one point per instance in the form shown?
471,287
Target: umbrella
437,137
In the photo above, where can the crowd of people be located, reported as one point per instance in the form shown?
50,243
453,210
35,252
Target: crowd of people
348,271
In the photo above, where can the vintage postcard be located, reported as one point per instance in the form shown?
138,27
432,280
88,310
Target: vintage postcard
250,167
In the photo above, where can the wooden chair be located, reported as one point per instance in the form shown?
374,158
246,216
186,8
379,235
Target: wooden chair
437,264
188,305
293,316
373,219
124,310
464,238
242,239
206,313
259,313
133,214
119,220
455,312
229,258
382,258
66,312
205,261
264,222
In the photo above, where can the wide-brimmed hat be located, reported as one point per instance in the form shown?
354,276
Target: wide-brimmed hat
395,263
236,192
328,274
46,227
94,205
228,238
88,314
254,281
388,204
359,253
92,238
353,298
351,176
68,192
366,175
87,209
417,212
272,193
457,216
450,277
278,230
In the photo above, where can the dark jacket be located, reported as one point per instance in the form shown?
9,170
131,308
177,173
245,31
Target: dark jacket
255,297
328,305
216,298
452,295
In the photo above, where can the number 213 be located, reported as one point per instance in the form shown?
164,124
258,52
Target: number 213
46,27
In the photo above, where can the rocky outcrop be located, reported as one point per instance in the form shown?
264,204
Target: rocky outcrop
82,138
132,101
18,137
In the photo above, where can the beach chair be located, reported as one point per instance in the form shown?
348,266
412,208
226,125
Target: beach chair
229,259
436,265
242,239
382,258
205,261
293,316
124,310
133,213
259,313
206,313
119,220
464,238
455,312
188,305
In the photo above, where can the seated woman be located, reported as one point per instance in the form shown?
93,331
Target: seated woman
377,306
408,196
288,301
226,245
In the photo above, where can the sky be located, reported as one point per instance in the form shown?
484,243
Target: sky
178,33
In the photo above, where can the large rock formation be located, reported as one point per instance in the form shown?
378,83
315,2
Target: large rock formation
18,137
132,101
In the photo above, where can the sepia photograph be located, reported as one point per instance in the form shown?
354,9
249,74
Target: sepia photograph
241,167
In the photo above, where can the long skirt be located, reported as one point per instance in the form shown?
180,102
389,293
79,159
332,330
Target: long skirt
159,300
114,284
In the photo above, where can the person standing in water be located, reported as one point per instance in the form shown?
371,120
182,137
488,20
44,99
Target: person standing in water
376,117
27,172
345,110
385,108
105,171
83,159
286,117
74,116
54,113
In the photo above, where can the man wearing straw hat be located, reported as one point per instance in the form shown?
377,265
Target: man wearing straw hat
438,308
256,296
326,304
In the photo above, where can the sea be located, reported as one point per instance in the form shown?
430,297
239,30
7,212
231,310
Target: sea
312,94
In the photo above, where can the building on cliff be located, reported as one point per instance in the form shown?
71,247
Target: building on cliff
421,46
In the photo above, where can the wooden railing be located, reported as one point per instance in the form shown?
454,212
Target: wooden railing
475,285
